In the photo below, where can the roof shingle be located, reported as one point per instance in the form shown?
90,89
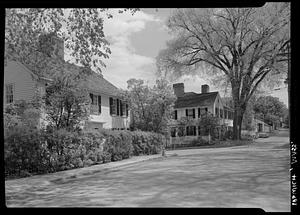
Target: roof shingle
194,100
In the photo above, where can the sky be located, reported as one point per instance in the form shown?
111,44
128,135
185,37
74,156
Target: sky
135,41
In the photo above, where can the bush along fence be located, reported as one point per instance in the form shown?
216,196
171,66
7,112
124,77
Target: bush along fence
31,151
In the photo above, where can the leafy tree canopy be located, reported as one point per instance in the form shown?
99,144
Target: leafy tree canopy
28,33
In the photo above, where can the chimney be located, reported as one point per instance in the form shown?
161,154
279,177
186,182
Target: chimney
204,88
178,89
51,45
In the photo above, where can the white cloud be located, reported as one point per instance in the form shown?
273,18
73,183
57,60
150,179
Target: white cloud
124,63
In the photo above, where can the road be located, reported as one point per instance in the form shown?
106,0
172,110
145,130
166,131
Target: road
255,176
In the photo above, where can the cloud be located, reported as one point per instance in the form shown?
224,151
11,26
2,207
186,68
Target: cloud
124,63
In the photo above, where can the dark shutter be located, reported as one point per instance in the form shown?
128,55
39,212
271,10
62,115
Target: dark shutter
99,103
121,108
199,113
194,113
126,109
175,114
110,105
91,96
194,130
186,112
199,130
118,107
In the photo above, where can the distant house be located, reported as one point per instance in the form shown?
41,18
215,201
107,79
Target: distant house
193,105
107,108
261,126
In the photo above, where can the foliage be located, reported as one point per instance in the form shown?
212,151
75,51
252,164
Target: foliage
29,151
66,104
270,109
80,29
151,108
146,142
21,113
245,45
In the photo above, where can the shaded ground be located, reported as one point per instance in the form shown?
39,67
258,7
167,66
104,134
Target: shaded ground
256,175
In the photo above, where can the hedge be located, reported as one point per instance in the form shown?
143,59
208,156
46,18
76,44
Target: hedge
30,151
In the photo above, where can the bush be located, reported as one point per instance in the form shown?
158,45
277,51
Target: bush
31,151
146,142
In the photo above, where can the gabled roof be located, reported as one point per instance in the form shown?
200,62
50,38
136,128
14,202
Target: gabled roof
97,83
194,99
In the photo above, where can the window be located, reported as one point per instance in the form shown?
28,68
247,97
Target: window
175,114
217,112
96,103
225,114
94,99
221,113
173,132
9,93
201,111
199,130
112,108
191,130
126,109
230,115
190,113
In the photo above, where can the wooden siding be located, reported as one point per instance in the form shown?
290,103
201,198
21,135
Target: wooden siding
24,86
108,120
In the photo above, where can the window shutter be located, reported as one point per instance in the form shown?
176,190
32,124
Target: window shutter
194,113
126,109
186,112
110,105
121,108
175,114
194,130
199,113
91,96
118,107
99,103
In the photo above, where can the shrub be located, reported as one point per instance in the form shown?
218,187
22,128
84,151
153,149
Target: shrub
31,151
146,142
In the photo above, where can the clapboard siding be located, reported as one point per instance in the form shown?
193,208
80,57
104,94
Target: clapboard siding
105,117
24,85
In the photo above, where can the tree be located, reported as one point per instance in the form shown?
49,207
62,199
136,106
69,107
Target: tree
80,29
245,45
151,108
270,109
66,104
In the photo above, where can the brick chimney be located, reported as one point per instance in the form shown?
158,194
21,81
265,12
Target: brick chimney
178,89
204,88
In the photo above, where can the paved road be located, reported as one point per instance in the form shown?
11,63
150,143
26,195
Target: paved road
245,176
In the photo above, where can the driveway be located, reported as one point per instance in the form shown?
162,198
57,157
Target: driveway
255,176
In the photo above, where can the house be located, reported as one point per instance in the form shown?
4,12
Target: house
22,84
107,108
261,126
192,105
